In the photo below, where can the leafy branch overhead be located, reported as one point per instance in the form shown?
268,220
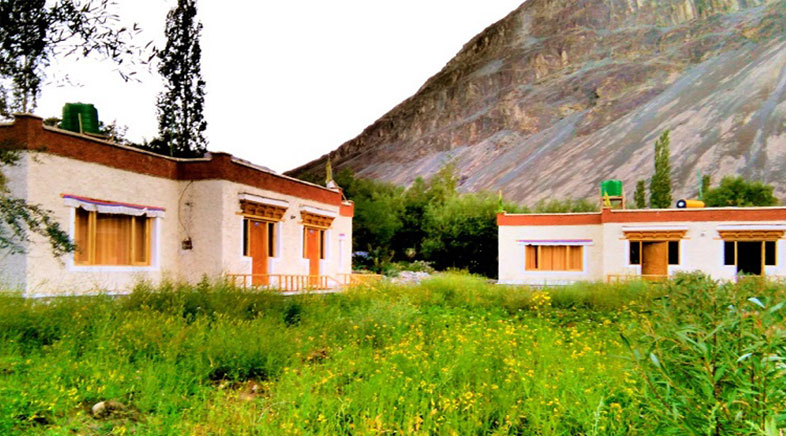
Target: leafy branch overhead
33,33
18,219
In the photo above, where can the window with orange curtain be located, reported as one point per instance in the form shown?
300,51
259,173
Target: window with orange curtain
111,239
554,258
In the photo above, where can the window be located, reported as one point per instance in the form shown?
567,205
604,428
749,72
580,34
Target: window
112,239
271,239
635,250
634,253
731,252
554,258
321,244
246,239
769,253
674,252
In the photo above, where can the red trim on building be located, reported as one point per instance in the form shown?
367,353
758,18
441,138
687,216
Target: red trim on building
573,219
347,209
645,216
28,133
706,214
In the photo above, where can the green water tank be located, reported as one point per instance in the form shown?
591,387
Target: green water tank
80,118
612,188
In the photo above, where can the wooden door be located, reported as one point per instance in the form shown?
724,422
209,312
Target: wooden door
257,240
312,254
655,259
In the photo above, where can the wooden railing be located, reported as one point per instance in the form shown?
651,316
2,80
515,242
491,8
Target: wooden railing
358,279
622,278
298,283
283,282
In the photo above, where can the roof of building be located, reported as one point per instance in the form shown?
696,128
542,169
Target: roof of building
28,132
644,216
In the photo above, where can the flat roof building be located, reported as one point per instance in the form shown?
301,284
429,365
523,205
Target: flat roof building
135,215
554,249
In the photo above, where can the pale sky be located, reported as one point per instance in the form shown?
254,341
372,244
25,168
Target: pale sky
287,81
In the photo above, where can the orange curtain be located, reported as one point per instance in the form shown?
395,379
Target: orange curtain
532,258
81,237
141,236
554,258
113,239
576,257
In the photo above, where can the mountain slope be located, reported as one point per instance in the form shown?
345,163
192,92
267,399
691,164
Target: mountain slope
561,94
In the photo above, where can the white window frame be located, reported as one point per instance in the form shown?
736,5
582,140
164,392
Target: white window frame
155,250
577,242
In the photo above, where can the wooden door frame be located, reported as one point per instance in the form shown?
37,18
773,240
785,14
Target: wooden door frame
317,261
257,276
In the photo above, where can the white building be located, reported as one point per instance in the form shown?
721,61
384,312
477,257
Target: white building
137,216
544,249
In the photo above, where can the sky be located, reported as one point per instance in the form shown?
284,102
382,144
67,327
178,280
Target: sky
287,81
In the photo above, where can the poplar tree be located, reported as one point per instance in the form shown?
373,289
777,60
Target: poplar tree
640,196
181,124
660,184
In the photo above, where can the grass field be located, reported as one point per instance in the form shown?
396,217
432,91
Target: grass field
452,356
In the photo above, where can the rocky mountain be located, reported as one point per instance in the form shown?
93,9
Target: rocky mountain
562,94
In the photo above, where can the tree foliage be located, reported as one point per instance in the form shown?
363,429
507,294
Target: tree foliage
660,184
20,220
181,123
377,212
462,233
34,32
706,181
640,195
431,222
736,191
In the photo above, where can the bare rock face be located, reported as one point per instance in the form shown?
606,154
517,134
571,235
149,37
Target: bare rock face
562,94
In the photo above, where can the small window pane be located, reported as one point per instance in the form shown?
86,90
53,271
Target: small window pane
321,244
674,252
532,258
635,252
576,258
769,253
271,239
245,238
140,240
81,238
729,248
305,244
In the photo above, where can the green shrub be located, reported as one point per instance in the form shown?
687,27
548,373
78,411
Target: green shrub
713,355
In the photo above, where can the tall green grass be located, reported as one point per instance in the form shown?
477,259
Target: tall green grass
453,355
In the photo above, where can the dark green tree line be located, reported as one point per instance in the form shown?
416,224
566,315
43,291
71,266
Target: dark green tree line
736,191
431,221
